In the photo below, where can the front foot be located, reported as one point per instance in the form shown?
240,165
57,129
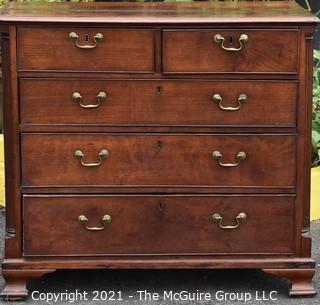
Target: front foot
16,282
15,289
301,280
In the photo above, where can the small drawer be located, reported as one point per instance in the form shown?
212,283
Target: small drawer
157,225
230,51
86,49
158,159
158,103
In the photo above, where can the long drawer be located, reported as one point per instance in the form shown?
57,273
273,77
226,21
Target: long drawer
157,225
95,49
156,102
230,51
158,159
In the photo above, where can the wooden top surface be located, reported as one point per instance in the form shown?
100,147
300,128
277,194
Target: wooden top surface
193,12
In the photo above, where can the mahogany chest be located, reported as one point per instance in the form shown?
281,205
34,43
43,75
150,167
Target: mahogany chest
157,136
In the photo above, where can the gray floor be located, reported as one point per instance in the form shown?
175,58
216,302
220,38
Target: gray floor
129,282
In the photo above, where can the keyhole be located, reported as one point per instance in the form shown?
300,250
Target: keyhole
161,206
86,37
159,90
230,40
159,144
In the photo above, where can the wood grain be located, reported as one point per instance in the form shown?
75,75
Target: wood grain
234,13
162,262
157,160
157,102
157,225
122,50
194,51
160,182
11,143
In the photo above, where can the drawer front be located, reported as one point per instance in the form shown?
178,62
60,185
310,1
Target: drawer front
148,159
196,51
118,51
158,102
157,225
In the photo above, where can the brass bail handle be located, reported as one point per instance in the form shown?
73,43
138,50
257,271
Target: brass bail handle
104,220
96,38
219,39
217,218
103,154
217,98
217,155
101,97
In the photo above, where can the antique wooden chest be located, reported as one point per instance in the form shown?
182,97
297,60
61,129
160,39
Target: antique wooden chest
157,136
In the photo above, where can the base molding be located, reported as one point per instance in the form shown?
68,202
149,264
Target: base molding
301,280
16,282
157,262
17,272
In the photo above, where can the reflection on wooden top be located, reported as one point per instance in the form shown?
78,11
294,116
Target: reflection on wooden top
153,13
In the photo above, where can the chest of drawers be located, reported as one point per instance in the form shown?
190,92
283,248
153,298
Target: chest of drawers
157,136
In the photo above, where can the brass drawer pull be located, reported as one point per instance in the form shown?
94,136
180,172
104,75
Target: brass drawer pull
84,220
217,98
96,38
217,155
101,96
217,218
103,154
219,39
